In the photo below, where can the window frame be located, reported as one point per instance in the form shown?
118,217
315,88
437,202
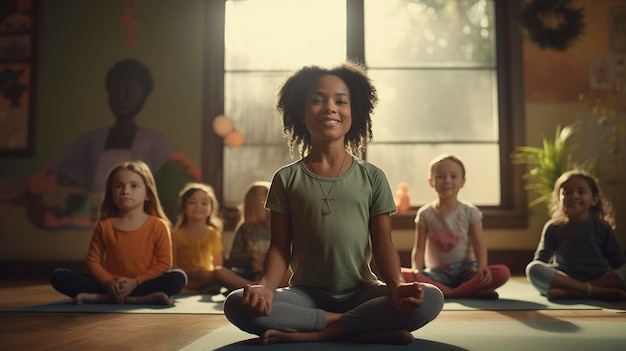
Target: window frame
512,211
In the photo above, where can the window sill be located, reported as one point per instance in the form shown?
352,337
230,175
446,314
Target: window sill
492,219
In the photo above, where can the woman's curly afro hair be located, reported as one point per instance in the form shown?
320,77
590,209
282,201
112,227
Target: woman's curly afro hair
292,99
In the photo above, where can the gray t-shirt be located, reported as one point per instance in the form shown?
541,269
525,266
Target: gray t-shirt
331,253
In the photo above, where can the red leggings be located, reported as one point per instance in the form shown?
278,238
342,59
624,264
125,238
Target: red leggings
500,274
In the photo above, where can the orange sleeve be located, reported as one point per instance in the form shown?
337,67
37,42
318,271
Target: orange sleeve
161,251
96,256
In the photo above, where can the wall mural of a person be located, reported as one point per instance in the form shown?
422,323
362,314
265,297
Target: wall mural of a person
67,192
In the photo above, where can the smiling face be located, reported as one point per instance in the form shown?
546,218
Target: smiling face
576,198
129,190
198,206
328,115
447,178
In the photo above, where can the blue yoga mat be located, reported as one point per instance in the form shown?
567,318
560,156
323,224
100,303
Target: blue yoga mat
514,295
454,336
520,295
183,304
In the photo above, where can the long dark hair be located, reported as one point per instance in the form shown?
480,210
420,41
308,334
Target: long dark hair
602,209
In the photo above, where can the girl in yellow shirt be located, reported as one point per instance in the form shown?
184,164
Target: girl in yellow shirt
197,241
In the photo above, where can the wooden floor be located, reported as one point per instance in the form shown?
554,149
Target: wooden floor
112,331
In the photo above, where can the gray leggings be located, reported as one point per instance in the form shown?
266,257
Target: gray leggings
295,310
540,275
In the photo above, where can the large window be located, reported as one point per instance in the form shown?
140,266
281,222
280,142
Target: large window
434,64
445,73
265,40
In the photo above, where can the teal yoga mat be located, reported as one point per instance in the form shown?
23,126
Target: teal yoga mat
183,304
514,295
454,336
520,295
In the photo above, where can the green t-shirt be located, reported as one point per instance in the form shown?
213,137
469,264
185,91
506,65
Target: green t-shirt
331,253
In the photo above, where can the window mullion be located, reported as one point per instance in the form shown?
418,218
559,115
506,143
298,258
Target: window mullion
355,30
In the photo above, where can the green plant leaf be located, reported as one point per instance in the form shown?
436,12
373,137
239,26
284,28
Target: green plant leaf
545,164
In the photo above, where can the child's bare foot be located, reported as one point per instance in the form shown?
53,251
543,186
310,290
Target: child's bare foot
598,292
272,336
82,298
392,337
608,294
156,298
562,294
485,294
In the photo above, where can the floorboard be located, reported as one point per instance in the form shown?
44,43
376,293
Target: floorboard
90,331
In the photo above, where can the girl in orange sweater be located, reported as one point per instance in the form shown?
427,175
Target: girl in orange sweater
130,255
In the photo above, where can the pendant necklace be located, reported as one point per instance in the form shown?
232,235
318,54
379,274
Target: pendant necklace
327,208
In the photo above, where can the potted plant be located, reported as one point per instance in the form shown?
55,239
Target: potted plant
545,164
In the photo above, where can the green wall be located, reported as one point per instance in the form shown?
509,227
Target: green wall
78,41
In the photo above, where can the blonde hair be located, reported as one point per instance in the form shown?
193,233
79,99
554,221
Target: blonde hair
250,213
213,220
152,206
444,157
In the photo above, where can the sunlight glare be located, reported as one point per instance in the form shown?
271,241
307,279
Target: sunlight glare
284,34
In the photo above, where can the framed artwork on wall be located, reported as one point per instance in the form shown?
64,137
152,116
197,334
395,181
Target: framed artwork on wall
602,72
17,77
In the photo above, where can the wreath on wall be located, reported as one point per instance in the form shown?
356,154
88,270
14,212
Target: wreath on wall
552,24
